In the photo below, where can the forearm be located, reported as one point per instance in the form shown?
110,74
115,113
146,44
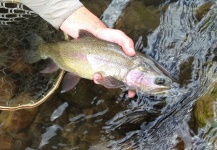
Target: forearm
53,11
82,18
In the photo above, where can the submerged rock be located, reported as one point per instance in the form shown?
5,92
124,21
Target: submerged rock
205,107
139,19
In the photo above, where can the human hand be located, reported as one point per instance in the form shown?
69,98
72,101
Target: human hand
118,37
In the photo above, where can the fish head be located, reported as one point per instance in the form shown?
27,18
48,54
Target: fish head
148,79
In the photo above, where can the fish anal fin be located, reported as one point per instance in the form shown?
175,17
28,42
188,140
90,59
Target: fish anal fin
70,80
110,82
51,67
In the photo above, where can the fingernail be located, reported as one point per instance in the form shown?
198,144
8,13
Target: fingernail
132,51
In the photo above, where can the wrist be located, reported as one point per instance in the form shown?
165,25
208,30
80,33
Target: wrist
82,18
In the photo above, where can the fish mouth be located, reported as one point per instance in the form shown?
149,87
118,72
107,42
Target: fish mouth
161,91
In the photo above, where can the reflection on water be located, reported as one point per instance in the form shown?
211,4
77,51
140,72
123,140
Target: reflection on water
181,36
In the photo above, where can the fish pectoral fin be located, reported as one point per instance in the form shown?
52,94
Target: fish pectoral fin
110,82
70,80
50,68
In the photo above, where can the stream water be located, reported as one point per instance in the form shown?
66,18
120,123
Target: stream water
180,35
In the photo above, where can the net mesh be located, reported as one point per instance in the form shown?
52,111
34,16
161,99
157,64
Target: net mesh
21,84
13,13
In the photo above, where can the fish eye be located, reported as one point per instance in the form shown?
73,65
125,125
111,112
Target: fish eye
160,81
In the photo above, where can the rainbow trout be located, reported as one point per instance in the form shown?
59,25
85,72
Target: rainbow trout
87,55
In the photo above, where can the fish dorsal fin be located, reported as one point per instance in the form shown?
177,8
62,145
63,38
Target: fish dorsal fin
84,34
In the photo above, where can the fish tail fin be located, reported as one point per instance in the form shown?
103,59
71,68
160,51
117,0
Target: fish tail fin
33,54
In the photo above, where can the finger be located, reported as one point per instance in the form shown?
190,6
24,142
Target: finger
127,44
96,77
131,94
119,38
129,50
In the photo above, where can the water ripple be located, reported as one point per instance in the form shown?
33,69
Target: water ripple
180,40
